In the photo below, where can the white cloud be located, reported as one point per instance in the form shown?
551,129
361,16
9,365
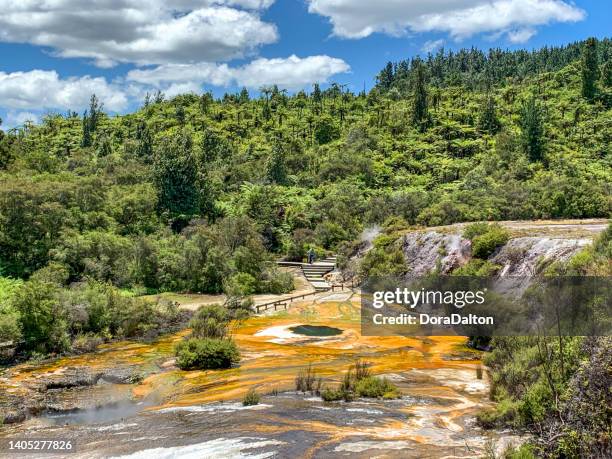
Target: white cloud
16,119
432,45
521,35
44,89
155,32
182,88
290,73
459,18
205,72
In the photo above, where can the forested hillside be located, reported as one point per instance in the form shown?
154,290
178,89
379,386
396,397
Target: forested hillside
190,190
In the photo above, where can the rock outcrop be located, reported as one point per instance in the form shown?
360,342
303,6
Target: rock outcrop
428,251
528,256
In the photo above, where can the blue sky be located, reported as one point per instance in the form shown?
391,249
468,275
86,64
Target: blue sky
53,55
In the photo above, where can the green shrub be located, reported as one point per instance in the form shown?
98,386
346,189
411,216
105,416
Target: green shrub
536,402
99,308
10,329
8,287
362,370
86,343
384,240
210,321
475,229
206,354
358,382
382,262
251,398
240,284
394,224
483,245
329,234
54,272
332,395
373,387
296,245
277,283
525,451
42,317
504,413
477,267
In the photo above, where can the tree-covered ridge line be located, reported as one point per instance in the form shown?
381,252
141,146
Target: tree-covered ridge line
476,68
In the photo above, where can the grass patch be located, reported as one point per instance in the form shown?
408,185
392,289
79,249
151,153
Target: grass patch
251,398
307,381
358,382
374,387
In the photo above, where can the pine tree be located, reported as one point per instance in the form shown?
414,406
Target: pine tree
420,110
145,141
488,121
86,140
243,98
532,129
317,97
606,74
386,76
590,69
105,148
177,180
95,113
180,114
158,98
147,100
276,167
206,101
6,155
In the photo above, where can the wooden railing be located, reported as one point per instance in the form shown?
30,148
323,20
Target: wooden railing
282,302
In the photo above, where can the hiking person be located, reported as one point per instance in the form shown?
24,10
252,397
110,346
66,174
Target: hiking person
311,255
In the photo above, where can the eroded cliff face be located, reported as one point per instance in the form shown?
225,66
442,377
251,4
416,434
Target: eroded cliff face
532,246
527,256
427,251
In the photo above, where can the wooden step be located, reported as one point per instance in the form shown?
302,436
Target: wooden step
315,272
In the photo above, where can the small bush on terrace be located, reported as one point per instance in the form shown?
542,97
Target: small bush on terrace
210,321
358,382
373,387
477,267
251,398
307,381
206,354
475,229
485,238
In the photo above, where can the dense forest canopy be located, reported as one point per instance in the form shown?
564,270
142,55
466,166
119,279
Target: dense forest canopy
188,190
478,69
